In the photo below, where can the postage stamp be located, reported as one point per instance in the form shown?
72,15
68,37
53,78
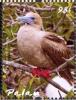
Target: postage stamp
37,49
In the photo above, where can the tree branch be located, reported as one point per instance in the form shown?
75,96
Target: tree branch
56,85
63,65
43,9
28,68
9,42
17,65
60,21
30,7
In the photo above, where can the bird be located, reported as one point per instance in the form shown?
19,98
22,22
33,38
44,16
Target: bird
41,48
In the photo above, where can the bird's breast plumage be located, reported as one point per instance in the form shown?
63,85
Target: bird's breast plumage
29,45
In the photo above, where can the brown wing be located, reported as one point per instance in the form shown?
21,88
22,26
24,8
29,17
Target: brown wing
55,48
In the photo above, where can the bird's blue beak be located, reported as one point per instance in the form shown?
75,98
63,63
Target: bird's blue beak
24,19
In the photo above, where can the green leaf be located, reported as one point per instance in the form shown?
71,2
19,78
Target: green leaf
31,82
70,95
4,87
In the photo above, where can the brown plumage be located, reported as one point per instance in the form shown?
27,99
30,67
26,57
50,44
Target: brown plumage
40,48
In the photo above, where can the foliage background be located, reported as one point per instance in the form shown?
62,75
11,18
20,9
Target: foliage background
52,20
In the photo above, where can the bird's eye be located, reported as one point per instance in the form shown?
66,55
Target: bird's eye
32,18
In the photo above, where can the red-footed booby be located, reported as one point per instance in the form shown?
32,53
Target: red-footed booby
42,48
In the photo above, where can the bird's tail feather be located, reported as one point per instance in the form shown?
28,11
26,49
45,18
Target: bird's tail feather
66,73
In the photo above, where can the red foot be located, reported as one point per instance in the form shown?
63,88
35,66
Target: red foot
38,72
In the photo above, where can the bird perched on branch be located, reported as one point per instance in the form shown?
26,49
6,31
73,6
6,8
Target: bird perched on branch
40,48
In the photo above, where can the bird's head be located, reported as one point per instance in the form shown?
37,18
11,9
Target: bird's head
32,19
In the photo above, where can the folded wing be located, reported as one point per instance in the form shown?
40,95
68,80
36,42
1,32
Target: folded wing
56,49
